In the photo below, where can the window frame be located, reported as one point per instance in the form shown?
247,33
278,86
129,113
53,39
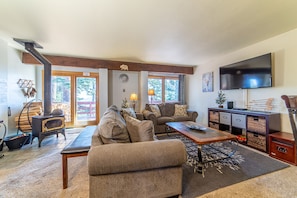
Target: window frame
163,78
74,75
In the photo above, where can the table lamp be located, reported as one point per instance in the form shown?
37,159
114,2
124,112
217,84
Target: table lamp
151,93
133,98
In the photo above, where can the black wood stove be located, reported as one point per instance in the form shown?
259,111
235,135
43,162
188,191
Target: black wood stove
49,123
43,126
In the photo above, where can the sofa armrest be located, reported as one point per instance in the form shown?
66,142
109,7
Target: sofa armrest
193,115
129,157
96,140
148,115
139,116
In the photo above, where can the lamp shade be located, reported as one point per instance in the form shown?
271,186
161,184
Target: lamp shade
151,92
133,97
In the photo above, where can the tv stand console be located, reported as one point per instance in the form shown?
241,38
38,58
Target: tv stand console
251,127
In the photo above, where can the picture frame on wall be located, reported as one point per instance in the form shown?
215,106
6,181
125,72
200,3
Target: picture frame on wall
207,82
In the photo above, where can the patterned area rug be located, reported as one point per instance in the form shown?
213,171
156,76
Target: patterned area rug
214,155
244,164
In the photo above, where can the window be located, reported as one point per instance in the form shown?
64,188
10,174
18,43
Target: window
166,88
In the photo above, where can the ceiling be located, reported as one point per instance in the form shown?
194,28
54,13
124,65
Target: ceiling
179,32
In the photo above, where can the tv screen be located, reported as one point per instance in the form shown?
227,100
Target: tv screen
248,74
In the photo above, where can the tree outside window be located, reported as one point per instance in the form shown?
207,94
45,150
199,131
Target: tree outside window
171,90
166,88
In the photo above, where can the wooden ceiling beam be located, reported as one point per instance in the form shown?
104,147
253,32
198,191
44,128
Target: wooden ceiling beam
109,64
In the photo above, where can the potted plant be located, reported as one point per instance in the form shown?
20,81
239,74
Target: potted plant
221,99
125,103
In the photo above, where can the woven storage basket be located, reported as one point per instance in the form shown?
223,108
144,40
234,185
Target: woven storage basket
256,124
214,125
256,141
214,116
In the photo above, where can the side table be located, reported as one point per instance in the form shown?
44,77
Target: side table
282,146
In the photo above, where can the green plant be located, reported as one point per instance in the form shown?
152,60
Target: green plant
125,103
221,98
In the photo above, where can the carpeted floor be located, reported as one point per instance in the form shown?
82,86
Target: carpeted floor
37,172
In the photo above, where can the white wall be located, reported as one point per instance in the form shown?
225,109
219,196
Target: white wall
11,70
103,90
16,99
143,89
3,82
122,90
284,50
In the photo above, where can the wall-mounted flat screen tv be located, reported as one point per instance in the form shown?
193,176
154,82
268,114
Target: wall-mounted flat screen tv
248,74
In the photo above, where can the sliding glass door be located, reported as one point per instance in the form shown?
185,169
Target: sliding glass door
77,96
86,99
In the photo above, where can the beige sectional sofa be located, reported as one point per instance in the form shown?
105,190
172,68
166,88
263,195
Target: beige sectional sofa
167,112
125,160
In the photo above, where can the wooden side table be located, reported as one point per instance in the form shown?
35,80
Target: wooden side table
282,146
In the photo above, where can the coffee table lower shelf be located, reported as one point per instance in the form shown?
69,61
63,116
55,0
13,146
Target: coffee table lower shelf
201,163
203,137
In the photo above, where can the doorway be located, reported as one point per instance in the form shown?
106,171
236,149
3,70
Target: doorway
76,93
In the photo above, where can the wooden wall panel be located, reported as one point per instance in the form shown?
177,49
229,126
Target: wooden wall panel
109,64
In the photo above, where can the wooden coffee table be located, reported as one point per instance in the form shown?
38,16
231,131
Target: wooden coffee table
202,137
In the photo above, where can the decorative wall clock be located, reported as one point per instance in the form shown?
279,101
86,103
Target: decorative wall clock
124,77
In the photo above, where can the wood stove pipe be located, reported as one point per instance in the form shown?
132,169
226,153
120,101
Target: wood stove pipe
30,47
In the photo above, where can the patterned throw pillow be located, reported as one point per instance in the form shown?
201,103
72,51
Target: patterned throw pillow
180,110
155,109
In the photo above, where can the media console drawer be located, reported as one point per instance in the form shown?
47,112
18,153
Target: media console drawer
225,118
256,124
257,141
214,116
239,121
282,147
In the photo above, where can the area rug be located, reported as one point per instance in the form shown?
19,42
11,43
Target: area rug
216,155
245,165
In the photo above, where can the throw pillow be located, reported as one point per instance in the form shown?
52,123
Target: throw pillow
180,110
140,131
129,112
155,109
112,127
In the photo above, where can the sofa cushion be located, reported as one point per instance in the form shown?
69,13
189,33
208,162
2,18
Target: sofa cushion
140,131
163,120
180,110
155,109
170,109
162,109
112,127
129,112
181,118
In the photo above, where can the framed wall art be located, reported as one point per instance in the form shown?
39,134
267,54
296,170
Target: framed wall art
207,82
